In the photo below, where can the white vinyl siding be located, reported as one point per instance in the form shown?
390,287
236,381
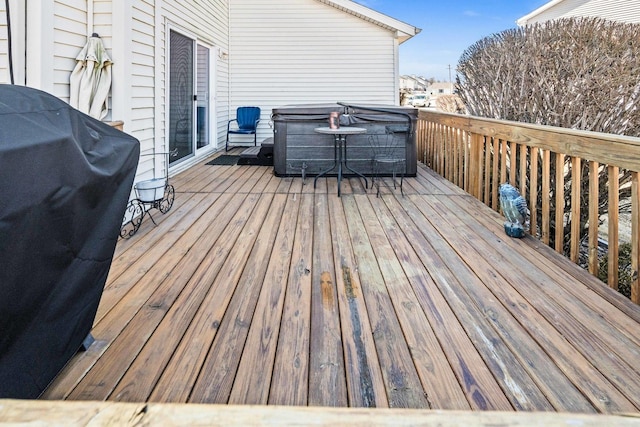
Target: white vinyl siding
70,35
615,10
143,71
4,46
302,51
102,18
142,82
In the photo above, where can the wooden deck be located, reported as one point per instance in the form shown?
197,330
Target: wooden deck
256,289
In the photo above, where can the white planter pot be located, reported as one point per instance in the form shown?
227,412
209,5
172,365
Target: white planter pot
151,190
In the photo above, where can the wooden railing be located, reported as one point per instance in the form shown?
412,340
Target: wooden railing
550,166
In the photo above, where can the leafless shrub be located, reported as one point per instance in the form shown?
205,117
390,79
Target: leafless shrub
573,73
450,104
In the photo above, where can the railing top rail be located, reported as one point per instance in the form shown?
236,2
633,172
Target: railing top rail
611,149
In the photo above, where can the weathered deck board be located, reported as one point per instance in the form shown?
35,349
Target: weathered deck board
187,259
327,381
256,289
253,377
290,380
440,290
400,375
177,321
177,379
495,275
364,374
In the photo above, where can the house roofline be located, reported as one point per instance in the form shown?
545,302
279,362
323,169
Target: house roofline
403,30
525,19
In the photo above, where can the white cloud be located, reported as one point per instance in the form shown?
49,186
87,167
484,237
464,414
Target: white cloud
471,13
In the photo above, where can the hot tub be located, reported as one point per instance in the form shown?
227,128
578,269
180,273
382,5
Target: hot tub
297,147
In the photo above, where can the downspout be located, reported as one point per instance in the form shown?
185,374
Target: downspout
160,139
396,71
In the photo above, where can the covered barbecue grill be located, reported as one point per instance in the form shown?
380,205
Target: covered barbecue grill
65,179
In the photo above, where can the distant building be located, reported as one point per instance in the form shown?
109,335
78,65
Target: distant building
614,10
436,90
441,88
413,83
418,92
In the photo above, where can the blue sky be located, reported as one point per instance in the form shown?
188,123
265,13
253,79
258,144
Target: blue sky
448,28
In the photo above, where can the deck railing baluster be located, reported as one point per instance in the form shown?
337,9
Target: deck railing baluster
576,179
546,194
593,217
559,199
533,189
495,181
513,163
613,173
546,164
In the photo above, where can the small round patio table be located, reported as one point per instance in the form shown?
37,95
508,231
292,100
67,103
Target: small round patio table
340,152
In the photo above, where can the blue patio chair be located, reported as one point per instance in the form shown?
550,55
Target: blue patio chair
247,119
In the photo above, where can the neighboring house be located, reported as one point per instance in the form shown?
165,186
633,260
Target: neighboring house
413,83
438,89
181,67
615,10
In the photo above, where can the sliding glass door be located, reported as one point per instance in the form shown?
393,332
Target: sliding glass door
189,102
181,96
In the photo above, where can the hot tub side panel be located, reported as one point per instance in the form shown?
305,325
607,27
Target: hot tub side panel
297,146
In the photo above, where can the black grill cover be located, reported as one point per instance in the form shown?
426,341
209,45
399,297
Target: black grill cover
65,179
